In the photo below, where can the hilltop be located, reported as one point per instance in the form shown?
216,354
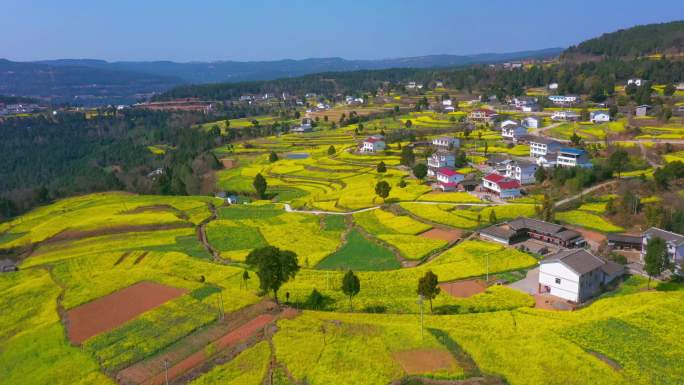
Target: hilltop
642,40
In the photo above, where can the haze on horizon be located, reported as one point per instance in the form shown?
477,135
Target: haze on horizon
210,30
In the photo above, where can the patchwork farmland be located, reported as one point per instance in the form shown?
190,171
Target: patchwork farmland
472,226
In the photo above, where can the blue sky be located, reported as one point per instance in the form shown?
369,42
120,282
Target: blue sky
202,30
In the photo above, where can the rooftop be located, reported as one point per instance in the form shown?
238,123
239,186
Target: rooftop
579,260
573,151
665,235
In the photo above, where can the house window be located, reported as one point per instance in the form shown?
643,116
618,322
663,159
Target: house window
558,281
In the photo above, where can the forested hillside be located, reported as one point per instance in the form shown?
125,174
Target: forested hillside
641,40
46,157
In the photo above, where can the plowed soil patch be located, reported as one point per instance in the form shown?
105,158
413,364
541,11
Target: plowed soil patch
464,289
108,312
443,234
421,361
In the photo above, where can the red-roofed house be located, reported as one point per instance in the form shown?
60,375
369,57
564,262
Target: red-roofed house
482,115
373,143
448,178
503,186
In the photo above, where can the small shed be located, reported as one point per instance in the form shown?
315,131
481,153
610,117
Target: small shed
624,241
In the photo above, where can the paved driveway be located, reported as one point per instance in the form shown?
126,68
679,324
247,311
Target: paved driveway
529,284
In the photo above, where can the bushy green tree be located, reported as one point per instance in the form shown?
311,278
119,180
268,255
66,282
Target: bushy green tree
382,189
420,171
428,287
260,185
351,286
273,266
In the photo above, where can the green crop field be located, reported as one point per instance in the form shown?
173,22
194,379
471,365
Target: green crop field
358,253
248,368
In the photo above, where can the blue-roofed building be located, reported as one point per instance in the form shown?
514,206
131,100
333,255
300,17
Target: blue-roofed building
573,157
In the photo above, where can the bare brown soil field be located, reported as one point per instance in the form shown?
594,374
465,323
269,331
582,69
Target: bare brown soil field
422,361
113,310
443,234
464,289
229,163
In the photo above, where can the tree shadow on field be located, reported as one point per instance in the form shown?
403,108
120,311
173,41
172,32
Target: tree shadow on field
315,301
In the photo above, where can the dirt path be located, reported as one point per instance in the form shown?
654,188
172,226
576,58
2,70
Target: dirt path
585,192
202,234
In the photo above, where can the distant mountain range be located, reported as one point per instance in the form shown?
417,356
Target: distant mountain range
93,82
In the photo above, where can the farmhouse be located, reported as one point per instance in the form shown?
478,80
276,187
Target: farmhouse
445,142
482,115
373,143
501,185
637,82
540,146
447,102
564,99
573,157
600,116
642,110
674,241
530,122
7,265
513,132
448,178
553,86
306,126
523,172
565,115
624,241
576,275
521,229
440,159
521,102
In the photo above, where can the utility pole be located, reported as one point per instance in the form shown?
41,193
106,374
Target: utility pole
223,313
420,302
166,371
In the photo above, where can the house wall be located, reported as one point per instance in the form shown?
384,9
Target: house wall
590,284
568,288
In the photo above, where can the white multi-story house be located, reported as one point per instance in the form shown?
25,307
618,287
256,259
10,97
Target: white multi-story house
439,160
553,86
600,116
573,157
523,172
530,122
448,178
447,102
637,82
373,143
564,99
446,142
501,185
576,275
540,146
565,115
513,132
674,242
